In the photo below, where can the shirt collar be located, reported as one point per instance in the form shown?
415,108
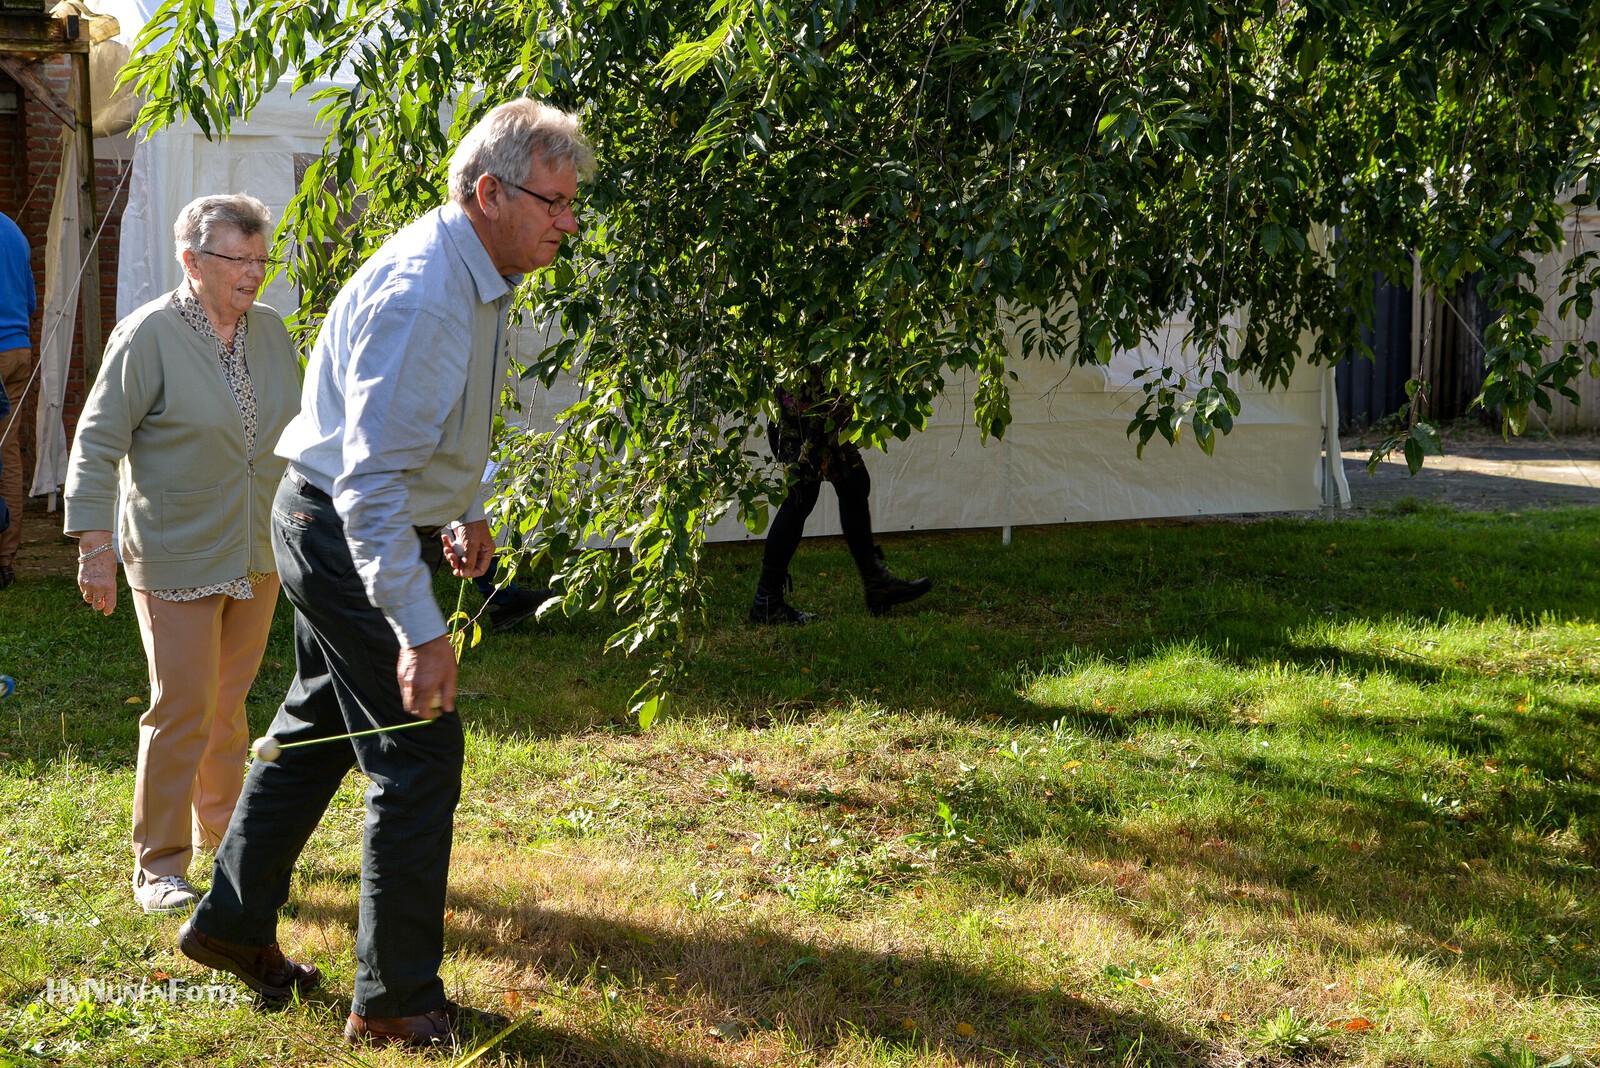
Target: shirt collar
492,285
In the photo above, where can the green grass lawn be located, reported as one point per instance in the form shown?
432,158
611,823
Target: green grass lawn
1169,794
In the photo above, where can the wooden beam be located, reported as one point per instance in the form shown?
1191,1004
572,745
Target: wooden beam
23,73
40,34
93,333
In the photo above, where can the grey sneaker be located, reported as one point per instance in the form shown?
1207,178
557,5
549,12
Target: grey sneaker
164,893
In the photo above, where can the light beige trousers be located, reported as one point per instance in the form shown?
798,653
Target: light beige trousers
203,656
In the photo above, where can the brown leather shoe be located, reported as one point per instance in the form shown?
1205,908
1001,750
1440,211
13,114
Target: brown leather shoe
263,969
433,1030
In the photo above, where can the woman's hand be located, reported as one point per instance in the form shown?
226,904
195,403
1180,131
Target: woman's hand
97,577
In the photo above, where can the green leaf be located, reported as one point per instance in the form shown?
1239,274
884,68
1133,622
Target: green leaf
649,708
1271,238
1426,435
1414,454
1516,420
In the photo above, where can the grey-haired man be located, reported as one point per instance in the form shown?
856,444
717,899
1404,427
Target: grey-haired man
387,452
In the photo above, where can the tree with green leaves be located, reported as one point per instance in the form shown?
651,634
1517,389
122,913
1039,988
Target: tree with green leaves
878,194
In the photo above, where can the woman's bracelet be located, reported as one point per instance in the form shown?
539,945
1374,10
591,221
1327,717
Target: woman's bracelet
92,553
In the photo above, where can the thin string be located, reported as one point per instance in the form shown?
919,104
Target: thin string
72,293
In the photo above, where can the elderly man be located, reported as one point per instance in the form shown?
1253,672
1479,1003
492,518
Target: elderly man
392,438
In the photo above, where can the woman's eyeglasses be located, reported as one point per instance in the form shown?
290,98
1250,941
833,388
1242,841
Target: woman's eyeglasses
264,262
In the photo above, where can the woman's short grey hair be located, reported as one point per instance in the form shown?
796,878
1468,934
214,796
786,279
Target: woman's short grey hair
202,217
510,138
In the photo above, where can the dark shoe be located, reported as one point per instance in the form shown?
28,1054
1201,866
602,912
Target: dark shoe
884,590
510,607
7,575
263,969
770,609
431,1030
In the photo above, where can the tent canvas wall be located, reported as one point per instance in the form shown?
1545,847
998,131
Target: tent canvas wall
1066,458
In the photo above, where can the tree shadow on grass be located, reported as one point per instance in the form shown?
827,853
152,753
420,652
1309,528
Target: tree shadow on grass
774,990
1370,865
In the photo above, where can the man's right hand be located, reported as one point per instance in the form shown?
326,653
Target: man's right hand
427,677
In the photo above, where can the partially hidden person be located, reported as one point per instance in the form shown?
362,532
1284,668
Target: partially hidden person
19,299
806,437
507,602
194,389
388,450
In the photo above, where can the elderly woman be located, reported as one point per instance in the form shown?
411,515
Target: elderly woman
193,392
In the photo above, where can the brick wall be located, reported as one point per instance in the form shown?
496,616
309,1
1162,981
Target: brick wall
30,166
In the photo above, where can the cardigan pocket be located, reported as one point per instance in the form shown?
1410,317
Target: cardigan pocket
191,521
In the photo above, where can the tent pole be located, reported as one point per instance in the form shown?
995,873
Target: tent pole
1005,454
1335,488
89,281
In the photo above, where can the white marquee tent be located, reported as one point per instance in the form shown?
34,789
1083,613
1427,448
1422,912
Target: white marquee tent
1065,458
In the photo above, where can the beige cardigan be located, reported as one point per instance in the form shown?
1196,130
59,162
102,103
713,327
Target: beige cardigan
162,425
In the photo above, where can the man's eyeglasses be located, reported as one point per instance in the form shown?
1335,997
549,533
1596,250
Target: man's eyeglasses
554,205
266,263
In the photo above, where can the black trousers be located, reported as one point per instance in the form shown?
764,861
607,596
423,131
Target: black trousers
789,526
345,656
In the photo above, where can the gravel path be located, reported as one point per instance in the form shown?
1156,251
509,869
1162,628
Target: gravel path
1481,472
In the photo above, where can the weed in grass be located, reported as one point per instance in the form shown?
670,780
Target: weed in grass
1287,1034
733,777
1512,1055
576,822
698,900
823,889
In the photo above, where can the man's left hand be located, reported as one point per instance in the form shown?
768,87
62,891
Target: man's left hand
475,552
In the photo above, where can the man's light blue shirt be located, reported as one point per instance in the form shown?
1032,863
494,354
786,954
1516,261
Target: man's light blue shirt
398,405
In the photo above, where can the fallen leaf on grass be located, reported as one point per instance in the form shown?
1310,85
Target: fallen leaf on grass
965,1030
134,701
727,1030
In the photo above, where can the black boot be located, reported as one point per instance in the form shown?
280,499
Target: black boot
770,608
884,590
